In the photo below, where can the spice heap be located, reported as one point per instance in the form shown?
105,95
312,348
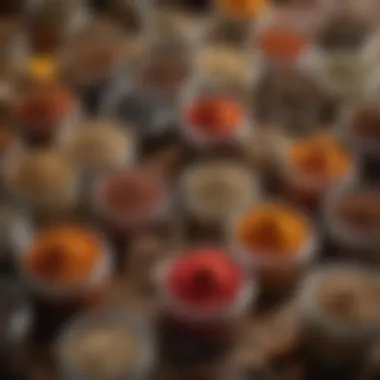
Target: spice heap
43,106
215,116
63,255
218,189
282,45
99,145
273,230
350,297
205,279
321,157
130,195
40,175
243,9
103,352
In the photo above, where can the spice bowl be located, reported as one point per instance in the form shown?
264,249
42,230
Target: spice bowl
236,19
257,239
279,41
93,61
17,322
213,121
176,21
290,98
109,343
42,109
338,304
159,78
350,213
130,202
203,294
212,192
57,287
359,128
50,24
221,62
310,166
343,62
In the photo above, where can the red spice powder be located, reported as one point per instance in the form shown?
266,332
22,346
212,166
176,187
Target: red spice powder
133,193
205,278
282,45
218,117
44,106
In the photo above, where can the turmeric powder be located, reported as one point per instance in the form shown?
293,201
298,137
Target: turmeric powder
321,157
273,230
63,255
243,9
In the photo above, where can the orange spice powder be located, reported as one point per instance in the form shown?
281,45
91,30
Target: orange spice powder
320,156
282,44
243,9
273,230
215,116
63,255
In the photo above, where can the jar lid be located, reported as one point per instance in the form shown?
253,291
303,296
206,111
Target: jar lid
205,278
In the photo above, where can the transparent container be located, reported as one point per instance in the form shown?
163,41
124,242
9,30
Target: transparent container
139,343
207,139
347,239
344,68
16,326
359,128
280,40
290,98
276,273
55,293
237,18
219,59
51,23
93,61
234,186
330,340
306,189
42,109
132,215
52,192
178,20
191,332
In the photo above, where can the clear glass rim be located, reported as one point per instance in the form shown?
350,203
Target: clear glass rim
336,227
290,173
307,304
362,145
99,273
190,92
256,260
114,316
158,213
245,296
194,169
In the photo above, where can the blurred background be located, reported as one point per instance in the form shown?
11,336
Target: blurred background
189,190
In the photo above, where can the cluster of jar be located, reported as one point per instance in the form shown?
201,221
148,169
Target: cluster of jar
273,117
